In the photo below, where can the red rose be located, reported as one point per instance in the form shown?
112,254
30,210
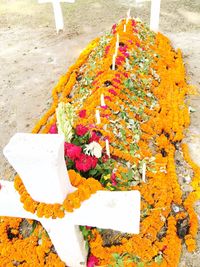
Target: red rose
81,130
94,161
82,113
53,129
105,158
72,151
94,137
85,163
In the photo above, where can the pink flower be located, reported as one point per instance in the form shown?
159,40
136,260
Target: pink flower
116,80
104,107
72,151
94,137
107,49
107,97
114,28
123,48
113,179
82,113
53,129
85,163
134,23
112,91
81,130
92,261
126,54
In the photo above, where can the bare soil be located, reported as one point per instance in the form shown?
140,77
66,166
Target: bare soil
33,57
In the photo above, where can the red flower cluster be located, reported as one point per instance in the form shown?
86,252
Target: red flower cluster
72,151
81,130
82,162
94,137
85,163
82,113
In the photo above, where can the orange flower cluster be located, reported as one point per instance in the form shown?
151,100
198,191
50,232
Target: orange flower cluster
85,187
144,120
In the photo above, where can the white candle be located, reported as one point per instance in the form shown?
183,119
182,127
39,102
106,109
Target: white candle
128,15
102,100
107,148
124,27
144,172
117,45
98,118
155,15
113,62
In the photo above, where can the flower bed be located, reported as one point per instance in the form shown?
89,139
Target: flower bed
143,121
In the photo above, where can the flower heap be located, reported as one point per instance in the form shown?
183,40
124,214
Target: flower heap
142,117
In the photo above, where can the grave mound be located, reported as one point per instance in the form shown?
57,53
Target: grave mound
122,109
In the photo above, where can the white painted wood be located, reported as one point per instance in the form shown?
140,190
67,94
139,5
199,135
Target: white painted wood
155,15
39,159
58,16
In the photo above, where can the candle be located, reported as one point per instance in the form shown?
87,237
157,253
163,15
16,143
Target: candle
117,45
113,62
98,118
107,148
124,27
128,15
144,172
102,100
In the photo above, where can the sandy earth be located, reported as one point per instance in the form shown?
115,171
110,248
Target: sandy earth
33,57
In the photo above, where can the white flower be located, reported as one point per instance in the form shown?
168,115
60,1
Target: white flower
93,149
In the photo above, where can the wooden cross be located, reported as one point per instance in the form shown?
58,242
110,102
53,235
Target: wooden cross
39,160
57,11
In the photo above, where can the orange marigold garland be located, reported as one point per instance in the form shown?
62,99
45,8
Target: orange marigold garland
85,187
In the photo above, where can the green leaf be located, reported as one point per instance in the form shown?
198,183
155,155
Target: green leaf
140,264
33,226
158,259
116,256
93,172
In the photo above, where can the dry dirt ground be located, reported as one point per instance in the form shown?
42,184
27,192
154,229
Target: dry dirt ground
33,57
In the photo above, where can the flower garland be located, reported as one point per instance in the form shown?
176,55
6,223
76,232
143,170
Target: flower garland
72,201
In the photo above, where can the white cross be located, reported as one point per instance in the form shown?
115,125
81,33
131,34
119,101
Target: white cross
155,13
39,160
57,11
